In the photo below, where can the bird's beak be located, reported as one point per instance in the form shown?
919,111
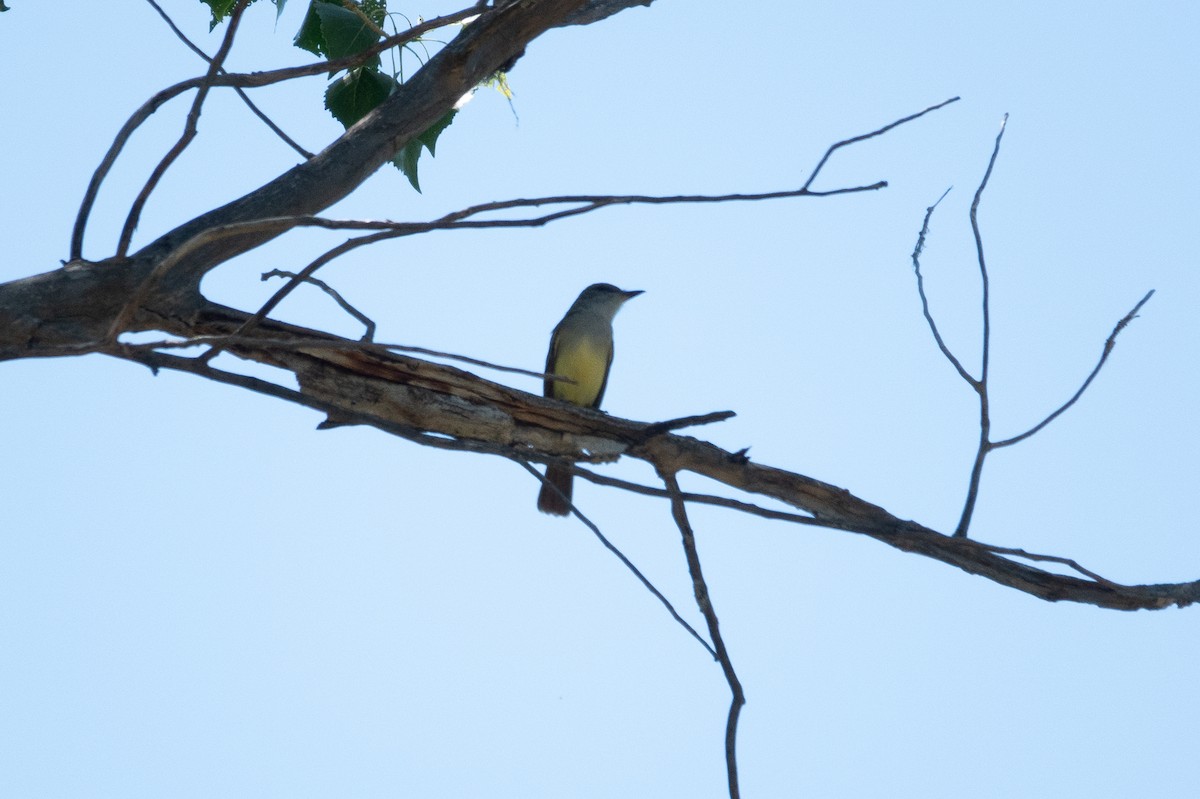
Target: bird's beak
629,295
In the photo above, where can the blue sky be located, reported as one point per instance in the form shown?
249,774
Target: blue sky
202,595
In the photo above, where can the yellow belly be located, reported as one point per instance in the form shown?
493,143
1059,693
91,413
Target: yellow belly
585,361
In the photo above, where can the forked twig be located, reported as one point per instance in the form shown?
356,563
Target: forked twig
980,385
189,131
626,561
235,80
367,322
238,90
871,135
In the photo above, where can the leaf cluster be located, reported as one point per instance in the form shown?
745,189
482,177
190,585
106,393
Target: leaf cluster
335,29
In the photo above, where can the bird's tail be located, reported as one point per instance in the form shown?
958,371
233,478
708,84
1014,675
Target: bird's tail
552,501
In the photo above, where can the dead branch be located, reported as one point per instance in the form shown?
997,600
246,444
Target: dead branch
238,90
980,385
1109,343
189,130
611,547
237,81
704,601
367,322
438,405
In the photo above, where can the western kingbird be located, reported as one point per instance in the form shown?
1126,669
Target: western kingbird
581,349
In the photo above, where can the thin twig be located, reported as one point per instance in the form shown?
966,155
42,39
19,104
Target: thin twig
241,93
872,134
301,343
628,563
679,513
1109,343
981,386
709,499
189,131
1069,562
687,421
916,259
460,220
366,321
983,274
304,274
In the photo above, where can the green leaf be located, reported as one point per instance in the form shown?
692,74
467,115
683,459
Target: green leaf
406,159
430,136
406,162
334,31
220,10
355,94
345,32
309,36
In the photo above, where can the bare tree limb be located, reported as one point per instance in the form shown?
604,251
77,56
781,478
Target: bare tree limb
367,322
596,10
871,135
85,307
1069,562
1109,343
649,586
704,601
238,90
980,385
700,499
937,335
189,130
446,408
237,81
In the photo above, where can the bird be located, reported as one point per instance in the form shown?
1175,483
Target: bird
581,350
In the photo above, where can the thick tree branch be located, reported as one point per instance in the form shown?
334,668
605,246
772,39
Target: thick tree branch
440,406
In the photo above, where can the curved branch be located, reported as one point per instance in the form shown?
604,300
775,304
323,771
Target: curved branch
937,335
1109,343
189,131
237,81
367,322
704,601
